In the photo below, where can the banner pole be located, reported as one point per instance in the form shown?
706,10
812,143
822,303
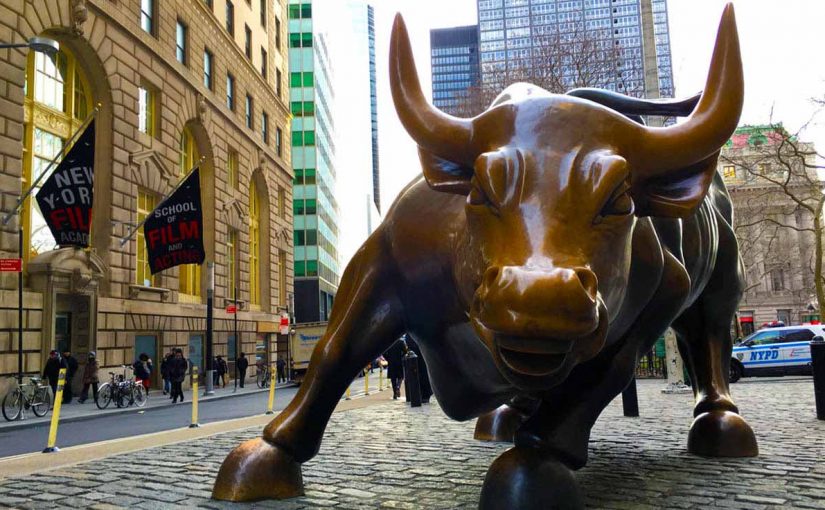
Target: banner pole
60,154
165,197
20,307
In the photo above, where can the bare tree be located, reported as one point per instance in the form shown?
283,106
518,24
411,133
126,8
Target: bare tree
778,196
560,59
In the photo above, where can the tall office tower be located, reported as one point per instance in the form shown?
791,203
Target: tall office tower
313,161
376,176
454,60
615,33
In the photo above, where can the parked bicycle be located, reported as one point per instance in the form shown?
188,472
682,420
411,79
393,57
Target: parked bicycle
34,396
264,376
121,390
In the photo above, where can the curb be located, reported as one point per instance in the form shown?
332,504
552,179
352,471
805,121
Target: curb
91,416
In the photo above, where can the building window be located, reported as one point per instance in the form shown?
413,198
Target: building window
263,62
147,109
147,16
230,18
784,316
777,279
281,202
263,13
249,111
282,277
232,169
190,274
279,141
248,41
230,92
145,205
180,42
265,127
277,33
254,246
232,263
729,171
59,86
207,69
278,80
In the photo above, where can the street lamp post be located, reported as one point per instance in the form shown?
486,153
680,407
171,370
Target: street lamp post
50,48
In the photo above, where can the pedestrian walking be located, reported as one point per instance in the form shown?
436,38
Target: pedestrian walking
90,378
395,366
423,375
71,370
164,373
221,368
242,364
52,370
143,370
280,367
178,366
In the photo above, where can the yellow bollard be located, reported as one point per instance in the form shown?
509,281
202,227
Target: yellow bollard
271,391
366,382
194,423
58,403
346,395
380,378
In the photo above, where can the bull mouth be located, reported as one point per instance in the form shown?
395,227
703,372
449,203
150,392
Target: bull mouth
536,357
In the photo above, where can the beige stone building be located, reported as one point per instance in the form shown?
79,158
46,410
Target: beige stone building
775,240
178,83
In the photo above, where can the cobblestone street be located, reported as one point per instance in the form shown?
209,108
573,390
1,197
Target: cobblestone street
390,456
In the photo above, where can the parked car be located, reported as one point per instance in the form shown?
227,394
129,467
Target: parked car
775,351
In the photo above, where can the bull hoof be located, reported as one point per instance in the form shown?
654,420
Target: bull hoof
527,479
499,425
721,434
258,470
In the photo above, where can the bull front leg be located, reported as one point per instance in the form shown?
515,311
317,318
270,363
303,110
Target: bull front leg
501,424
703,332
366,318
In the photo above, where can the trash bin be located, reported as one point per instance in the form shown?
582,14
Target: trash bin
411,384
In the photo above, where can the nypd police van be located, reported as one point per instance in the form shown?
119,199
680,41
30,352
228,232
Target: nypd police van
775,351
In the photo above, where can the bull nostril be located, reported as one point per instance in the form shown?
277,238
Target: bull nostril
588,280
490,277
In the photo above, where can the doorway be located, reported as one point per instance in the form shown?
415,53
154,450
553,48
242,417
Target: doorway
63,332
196,352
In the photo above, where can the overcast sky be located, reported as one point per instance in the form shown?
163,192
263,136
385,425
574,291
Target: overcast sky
782,44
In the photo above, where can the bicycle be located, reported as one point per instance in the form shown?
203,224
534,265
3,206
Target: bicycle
264,376
34,396
124,392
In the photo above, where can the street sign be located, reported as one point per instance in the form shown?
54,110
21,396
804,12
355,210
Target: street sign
11,265
284,325
231,309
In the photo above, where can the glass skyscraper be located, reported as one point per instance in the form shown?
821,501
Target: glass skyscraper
376,176
511,31
454,60
313,161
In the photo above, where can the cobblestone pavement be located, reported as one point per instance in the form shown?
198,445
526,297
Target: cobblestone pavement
390,456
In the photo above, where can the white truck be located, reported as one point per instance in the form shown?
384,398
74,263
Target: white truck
301,345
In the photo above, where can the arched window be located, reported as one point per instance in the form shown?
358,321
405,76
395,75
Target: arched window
190,274
254,246
57,101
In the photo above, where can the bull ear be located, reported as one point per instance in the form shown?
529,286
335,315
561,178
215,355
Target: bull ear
444,175
675,195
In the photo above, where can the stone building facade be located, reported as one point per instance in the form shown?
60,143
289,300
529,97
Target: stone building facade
774,233
178,83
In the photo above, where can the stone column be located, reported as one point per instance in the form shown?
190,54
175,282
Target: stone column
675,366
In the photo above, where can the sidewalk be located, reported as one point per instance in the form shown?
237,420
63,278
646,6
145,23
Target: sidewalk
157,400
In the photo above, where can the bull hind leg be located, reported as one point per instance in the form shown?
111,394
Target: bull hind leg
365,320
703,332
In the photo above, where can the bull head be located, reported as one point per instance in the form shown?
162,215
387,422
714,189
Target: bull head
554,186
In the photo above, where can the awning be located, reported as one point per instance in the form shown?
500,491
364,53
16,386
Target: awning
746,319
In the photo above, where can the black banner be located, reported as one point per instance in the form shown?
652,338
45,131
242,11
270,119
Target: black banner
66,197
174,230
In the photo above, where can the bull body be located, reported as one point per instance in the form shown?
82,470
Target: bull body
548,244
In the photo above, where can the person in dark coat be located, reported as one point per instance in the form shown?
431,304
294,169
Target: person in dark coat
71,370
395,366
178,366
423,375
143,370
242,364
221,368
52,369
280,366
90,378
164,373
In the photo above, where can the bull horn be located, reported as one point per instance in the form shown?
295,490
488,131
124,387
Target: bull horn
713,121
444,135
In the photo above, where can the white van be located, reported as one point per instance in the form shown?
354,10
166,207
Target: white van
775,351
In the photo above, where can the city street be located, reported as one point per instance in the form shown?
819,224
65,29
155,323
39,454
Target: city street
158,416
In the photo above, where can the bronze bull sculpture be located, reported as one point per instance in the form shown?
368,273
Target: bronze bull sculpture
548,244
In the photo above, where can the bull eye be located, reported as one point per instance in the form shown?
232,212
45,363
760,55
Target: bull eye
620,203
478,197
